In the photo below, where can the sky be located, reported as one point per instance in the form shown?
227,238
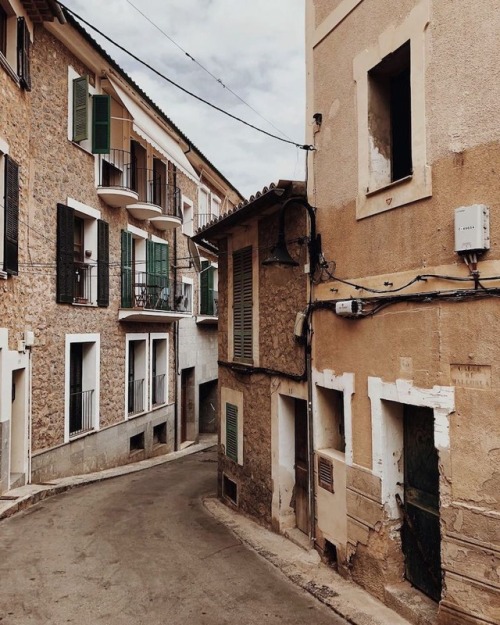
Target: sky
255,48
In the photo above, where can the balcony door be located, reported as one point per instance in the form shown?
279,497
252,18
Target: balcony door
76,388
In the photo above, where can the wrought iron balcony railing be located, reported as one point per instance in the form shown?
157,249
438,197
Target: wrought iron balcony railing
152,189
81,412
115,169
158,389
151,291
82,285
135,396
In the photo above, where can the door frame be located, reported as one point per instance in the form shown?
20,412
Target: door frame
387,404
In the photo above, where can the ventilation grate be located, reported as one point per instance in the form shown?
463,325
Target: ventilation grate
325,474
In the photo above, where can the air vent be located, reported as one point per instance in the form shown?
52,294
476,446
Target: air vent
325,474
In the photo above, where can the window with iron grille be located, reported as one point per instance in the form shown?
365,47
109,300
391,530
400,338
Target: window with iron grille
81,278
242,305
232,432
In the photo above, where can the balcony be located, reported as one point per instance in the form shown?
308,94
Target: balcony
81,413
209,310
158,388
82,285
147,297
135,397
169,198
115,179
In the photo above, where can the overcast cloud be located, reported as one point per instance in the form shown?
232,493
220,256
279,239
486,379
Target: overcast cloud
256,48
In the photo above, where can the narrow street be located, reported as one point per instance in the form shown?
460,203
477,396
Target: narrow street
141,549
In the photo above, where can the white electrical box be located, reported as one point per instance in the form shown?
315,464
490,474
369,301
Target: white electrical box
472,228
349,308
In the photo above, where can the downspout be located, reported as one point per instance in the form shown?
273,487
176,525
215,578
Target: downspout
310,421
176,349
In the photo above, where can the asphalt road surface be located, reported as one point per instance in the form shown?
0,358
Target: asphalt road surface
141,549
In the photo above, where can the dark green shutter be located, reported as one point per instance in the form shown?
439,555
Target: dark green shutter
242,304
157,272
101,124
102,263
23,54
207,288
11,217
126,269
232,432
65,251
80,108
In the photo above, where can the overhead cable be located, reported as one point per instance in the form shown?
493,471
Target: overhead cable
205,69
183,89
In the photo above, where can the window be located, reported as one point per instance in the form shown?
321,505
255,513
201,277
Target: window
232,432
89,109
82,256
3,31
203,207
144,271
208,289
82,384
136,366
242,305
389,118
9,220
187,217
159,369
215,206
184,298
390,90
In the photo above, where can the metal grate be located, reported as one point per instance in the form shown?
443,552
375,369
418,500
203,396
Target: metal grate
325,474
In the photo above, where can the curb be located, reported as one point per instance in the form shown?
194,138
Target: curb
21,498
304,568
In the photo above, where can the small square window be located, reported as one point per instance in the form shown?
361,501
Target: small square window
137,443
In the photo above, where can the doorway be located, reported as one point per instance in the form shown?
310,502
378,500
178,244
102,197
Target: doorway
187,405
420,532
208,402
19,430
301,467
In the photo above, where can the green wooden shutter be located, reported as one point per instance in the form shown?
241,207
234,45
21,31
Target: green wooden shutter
210,289
65,251
80,108
232,432
101,124
23,54
204,287
102,263
126,286
11,217
242,304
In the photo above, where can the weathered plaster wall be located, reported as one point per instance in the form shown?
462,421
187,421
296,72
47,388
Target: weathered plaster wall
417,341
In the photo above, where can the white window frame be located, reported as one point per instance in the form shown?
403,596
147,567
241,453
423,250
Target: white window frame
144,338
203,217
188,282
90,217
159,336
187,216
217,202
91,374
9,61
371,201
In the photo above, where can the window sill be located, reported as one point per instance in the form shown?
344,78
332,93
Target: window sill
76,437
85,304
391,185
399,193
7,67
332,454
3,275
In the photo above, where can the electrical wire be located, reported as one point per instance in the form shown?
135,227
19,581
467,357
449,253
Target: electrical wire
183,89
201,66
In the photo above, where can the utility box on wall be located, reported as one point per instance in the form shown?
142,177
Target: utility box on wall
472,228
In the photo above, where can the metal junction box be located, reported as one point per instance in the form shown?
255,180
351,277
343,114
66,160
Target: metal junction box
472,228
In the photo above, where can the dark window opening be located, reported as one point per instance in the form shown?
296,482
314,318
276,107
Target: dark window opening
390,116
230,489
137,442
160,434
3,31
330,554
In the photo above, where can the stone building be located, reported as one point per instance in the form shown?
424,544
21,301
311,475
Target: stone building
99,189
262,364
403,430
399,109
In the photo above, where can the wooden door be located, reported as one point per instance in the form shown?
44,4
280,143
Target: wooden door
420,533
301,467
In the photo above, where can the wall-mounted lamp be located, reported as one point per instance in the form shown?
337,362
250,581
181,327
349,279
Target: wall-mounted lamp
279,254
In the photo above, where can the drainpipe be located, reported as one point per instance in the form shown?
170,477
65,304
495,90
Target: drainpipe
176,348
310,435
30,413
